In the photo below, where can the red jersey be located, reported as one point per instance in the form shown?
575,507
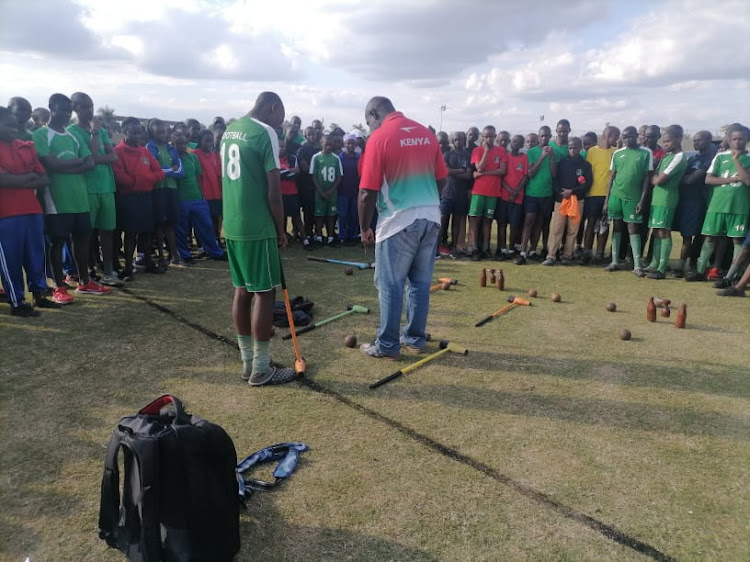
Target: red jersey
288,187
19,157
210,179
488,185
518,167
135,169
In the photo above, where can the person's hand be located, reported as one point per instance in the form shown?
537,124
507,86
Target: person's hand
368,237
282,241
477,174
736,153
566,193
638,208
488,143
546,150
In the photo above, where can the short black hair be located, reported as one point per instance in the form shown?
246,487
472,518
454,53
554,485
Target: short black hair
152,124
55,99
128,121
675,131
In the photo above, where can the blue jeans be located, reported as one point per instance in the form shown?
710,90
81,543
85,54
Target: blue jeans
406,256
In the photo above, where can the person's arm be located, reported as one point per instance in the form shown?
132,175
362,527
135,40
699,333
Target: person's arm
742,173
29,180
276,205
366,209
612,175
553,164
645,189
122,175
483,161
538,164
97,134
661,177
582,189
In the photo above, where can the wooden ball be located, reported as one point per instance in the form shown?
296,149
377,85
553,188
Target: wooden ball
348,271
556,297
350,340
533,293
625,334
612,307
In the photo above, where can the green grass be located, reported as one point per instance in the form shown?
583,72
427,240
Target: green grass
649,436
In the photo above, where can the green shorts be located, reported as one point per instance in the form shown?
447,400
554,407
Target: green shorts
661,217
326,207
254,264
483,205
102,211
724,224
619,209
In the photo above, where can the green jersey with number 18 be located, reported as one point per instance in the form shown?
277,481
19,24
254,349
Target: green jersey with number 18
249,149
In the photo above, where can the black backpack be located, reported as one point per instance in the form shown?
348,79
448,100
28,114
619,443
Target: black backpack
179,501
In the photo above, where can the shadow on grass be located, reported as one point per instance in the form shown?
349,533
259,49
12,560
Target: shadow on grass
266,535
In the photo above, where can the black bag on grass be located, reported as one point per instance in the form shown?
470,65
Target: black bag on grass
179,492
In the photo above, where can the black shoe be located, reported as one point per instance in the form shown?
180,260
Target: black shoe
520,260
656,275
475,255
693,276
44,302
722,283
151,267
24,310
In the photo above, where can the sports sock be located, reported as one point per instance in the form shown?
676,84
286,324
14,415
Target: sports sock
635,246
665,250
246,352
261,358
616,240
656,254
706,251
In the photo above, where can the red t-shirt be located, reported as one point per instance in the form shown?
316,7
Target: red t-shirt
210,179
518,167
288,187
488,185
19,157
135,169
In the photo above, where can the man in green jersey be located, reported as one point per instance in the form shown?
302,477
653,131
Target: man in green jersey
664,199
626,193
100,182
727,213
254,230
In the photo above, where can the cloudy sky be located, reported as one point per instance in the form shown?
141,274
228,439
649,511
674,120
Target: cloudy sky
487,61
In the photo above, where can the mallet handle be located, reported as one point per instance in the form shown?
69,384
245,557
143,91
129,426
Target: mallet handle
435,287
300,331
498,312
408,369
384,380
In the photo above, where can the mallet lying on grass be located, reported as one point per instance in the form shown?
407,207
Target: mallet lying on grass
357,264
351,309
445,347
448,280
512,302
441,285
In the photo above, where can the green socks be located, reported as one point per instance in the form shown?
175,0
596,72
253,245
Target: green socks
665,248
616,239
246,352
635,245
261,358
706,251
656,255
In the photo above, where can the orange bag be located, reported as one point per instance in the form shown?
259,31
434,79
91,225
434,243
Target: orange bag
569,208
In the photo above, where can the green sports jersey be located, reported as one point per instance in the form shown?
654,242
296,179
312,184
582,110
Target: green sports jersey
67,192
165,161
561,150
630,166
668,193
188,188
326,168
730,197
541,184
249,150
100,179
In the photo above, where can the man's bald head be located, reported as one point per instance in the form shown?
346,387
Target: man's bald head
269,109
378,108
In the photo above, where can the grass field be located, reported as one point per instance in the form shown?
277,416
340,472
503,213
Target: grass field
552,440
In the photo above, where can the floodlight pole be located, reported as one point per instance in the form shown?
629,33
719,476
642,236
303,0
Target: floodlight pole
442,110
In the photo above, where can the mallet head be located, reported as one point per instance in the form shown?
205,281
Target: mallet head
453,348
358,308
448,280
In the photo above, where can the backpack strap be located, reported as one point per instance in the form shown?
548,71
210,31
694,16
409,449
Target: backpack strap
109,508
287,453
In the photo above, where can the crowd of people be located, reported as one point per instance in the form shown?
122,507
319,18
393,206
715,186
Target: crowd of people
75,208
